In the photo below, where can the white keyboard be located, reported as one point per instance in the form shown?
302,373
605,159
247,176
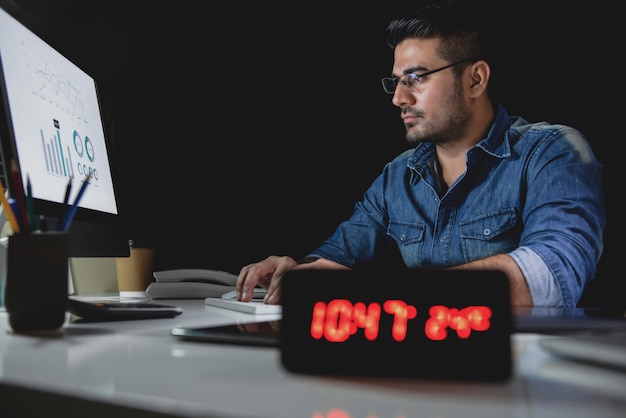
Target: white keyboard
255,306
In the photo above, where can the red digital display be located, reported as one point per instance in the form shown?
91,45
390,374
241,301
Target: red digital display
338,319
407,323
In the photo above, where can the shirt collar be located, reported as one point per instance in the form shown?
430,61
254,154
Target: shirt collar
496,143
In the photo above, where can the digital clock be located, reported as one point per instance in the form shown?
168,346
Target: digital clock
443,324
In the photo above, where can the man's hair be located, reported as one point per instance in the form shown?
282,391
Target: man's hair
459,24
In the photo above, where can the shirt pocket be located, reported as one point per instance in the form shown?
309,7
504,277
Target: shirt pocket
409,236
490,234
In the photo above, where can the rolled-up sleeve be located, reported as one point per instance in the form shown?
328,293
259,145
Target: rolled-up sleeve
541,282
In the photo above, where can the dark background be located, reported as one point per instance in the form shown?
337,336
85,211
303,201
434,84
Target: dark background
244,129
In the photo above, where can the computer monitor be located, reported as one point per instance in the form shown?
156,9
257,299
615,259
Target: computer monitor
51,124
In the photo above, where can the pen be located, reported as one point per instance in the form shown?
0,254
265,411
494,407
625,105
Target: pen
30,208
9,211
67,219
68,188
66,199
18,194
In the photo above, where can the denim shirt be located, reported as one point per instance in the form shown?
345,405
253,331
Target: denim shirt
532,191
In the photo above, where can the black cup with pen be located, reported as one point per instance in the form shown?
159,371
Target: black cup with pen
37,279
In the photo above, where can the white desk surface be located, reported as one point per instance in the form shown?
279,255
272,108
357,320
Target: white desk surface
93,368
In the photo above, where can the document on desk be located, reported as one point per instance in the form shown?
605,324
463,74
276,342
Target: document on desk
190,284
255,306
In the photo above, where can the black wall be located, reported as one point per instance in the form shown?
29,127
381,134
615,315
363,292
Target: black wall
243,129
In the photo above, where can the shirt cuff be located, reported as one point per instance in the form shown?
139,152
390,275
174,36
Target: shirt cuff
544,289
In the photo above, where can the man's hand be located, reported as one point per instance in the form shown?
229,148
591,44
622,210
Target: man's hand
269,272
266,273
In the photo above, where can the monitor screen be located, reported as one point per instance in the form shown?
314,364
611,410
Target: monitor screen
51,126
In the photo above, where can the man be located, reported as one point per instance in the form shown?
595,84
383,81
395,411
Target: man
480,190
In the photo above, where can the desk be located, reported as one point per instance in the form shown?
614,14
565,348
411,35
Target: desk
121,368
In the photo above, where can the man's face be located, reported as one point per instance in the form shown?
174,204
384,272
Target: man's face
434,108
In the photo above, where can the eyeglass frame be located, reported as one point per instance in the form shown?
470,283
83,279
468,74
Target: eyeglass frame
416,78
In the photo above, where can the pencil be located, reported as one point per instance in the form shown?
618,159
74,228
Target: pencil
7,209
18,195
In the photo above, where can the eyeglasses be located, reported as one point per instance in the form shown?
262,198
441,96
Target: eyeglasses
409,80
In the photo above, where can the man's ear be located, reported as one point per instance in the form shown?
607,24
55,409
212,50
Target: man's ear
479,77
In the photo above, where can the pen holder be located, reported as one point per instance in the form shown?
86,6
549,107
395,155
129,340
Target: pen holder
36,288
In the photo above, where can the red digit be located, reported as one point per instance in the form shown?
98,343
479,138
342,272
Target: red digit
436,325
338,325
402,313
459,323
367,318
478,317
317,323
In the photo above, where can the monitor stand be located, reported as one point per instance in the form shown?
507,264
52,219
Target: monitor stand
93,276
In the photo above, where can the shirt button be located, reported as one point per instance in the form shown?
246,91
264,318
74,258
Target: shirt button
487,232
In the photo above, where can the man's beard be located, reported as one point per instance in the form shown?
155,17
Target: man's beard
449,130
